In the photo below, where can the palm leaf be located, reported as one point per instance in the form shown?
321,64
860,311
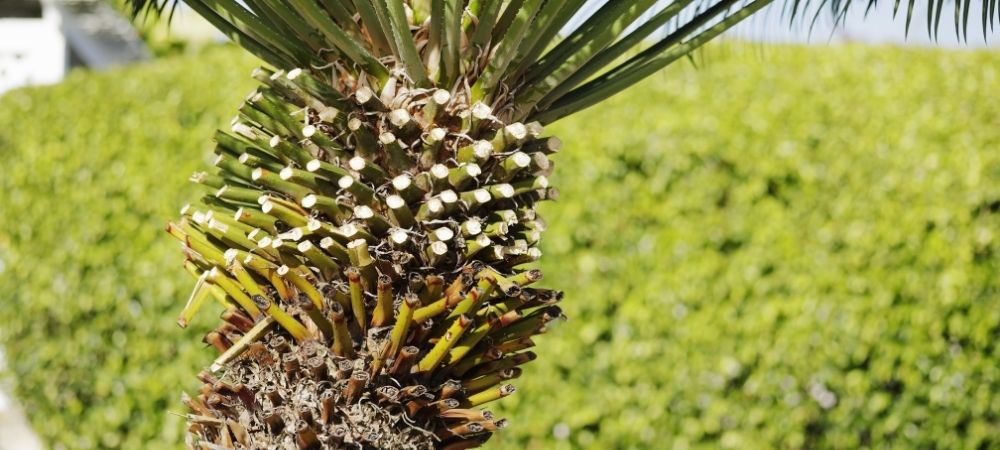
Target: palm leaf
540,74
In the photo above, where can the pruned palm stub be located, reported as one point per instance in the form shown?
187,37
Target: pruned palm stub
370,222
371,255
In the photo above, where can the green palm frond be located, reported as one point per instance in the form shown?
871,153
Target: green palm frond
152,8
510,52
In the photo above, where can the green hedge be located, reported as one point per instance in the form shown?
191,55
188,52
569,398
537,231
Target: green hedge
794,250
92,170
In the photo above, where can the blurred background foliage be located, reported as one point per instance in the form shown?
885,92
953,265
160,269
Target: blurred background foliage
181,32
93,169
793,248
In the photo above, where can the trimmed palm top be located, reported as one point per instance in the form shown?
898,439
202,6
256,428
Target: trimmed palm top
370,220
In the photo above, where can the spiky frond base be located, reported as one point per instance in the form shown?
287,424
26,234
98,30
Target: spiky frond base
301,396
370,253
283,394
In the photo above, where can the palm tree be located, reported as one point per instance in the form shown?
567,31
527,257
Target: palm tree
371,216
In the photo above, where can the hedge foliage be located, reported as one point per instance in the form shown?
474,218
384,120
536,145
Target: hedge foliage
798,250
92,170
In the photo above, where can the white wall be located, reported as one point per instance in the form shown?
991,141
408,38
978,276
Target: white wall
32,51
15,433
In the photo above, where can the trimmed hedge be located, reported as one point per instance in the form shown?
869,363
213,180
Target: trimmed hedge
794,251
92,170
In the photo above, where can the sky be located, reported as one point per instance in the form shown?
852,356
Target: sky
879,27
